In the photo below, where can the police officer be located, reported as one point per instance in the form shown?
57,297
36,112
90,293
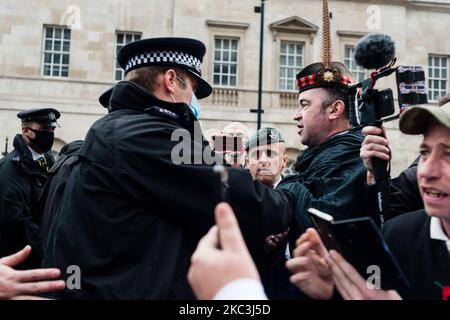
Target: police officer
23,174
135,204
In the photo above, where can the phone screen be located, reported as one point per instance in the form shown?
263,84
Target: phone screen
224,143
322,222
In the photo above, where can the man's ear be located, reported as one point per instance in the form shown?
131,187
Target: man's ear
25,130
285,159
336,110
27,133
169,80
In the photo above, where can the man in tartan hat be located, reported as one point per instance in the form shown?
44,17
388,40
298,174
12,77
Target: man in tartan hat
331,176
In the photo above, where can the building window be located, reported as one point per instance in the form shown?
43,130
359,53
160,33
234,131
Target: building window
291,62
437,76
226,59
56,51
122,39
349,59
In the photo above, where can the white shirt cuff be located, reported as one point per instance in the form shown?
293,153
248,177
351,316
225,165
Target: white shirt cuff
242,289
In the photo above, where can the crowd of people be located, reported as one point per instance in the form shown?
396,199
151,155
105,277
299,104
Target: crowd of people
139,225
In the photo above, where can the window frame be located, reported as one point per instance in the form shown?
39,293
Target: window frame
430,79
116,67
221,85
225,29
52,52
303,44
359,70
349,38
308,45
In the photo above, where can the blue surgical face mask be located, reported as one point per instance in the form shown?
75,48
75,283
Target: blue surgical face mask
195,105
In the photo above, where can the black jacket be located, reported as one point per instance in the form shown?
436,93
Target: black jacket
405,195
130,217
58,175
331,178
21,184
425,261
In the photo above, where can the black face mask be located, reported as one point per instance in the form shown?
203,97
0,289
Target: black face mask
43,139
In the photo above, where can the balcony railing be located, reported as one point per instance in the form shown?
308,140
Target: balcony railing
288,100
234,97
225,97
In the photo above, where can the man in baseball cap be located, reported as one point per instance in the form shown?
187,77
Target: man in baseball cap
418,119
420,240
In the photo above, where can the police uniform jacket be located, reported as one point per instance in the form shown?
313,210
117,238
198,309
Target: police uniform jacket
21,184
130,217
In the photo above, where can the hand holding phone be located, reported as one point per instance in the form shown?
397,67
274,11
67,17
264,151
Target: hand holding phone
360,242
226,143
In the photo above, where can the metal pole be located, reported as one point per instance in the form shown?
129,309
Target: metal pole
261,47
6,148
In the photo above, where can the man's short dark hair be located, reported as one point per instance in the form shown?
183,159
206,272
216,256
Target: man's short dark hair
146,76
334,94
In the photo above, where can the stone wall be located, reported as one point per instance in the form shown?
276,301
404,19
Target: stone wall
418,28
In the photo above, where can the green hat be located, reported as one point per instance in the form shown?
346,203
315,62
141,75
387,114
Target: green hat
417,119
264,137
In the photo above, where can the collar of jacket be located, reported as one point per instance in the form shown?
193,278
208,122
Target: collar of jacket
25,157
69,150
129,95
348,140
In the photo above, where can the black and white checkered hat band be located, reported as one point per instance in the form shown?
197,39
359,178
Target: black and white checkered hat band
164,56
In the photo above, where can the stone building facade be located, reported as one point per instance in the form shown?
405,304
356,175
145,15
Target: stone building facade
62,54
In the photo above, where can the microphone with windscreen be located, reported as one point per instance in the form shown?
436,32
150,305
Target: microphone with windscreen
370,106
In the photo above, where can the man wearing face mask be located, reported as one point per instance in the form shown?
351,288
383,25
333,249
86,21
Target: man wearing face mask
132,213
23,174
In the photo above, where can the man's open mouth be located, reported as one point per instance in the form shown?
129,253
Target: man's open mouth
434,193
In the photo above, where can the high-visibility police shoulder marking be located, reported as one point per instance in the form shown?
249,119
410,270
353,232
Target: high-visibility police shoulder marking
162,112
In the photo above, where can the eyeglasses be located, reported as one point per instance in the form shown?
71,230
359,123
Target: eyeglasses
184,83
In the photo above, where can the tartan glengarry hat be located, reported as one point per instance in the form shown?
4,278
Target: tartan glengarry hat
325,74
264,136
183,53
45,116
317,76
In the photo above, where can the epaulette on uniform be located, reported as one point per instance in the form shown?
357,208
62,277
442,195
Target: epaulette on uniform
16,158
161,112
